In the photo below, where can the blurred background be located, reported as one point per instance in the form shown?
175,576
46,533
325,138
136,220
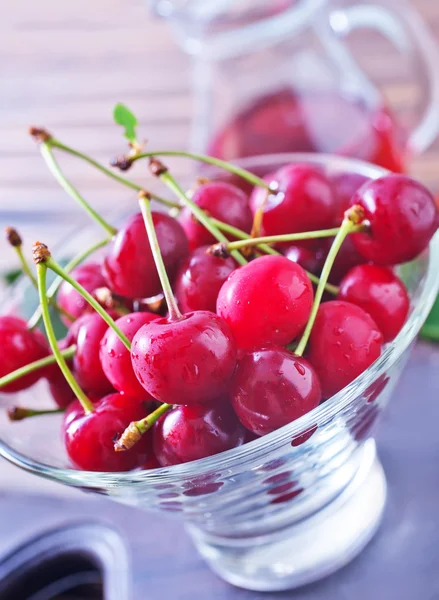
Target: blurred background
193,82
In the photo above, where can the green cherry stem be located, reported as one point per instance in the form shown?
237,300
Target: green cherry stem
159,170
55,169
112,174
290,237
350,223
56,268
210,160
145,207
80,395
53,288
136,429
238,233
35,366
19,413
15,241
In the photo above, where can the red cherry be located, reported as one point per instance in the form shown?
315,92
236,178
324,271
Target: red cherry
303,200
186,361
188,433
220,200
199,280
381,294
116,359
89,439
345,185
91,278
272,387
88,333
403,218
19,346
344,342
129,267
267,301
311,257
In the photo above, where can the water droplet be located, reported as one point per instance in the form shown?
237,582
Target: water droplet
300,368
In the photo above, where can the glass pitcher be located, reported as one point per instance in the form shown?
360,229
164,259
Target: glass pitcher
279,76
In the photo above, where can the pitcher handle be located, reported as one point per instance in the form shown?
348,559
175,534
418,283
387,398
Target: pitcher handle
408,32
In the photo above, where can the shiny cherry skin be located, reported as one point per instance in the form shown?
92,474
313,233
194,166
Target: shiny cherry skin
19,346
302,200
310,256
91,278
188,433
89,439
129,267
220,200
403,218
200,278
345,185
381,294
116,359
187,361
272,387
344,342
268,300
88,333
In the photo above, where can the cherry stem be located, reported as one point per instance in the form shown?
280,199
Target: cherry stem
54,266
19,413
15,241
136,429
145,207
112,174
332,289
47,154
35,366
210,160
86,404
290,237
348,226
199,213
53,288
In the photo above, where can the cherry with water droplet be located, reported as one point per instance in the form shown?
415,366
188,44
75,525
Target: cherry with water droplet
222,201
189,433
402,215
186,361
381,294
302,200
344,342
200,278
19,346
91,278
129,267
89,438
87,333
273,387
116,358
266,301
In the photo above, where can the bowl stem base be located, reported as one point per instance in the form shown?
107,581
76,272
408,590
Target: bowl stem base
307,550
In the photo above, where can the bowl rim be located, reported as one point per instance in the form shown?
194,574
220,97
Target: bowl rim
283,436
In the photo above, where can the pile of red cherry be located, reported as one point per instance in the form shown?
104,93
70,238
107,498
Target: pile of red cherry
227,364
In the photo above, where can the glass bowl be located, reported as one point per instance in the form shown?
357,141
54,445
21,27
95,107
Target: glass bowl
285,509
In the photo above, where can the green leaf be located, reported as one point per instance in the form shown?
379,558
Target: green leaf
123,116
11,276
430,331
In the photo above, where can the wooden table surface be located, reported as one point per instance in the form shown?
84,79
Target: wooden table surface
64,65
